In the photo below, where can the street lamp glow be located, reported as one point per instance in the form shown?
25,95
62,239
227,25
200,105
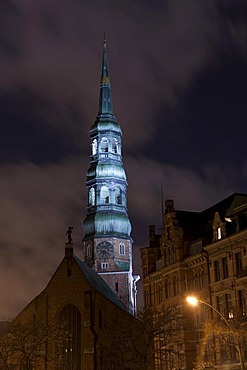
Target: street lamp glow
193,301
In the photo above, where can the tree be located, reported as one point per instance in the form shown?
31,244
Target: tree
148,341
224,341
25,346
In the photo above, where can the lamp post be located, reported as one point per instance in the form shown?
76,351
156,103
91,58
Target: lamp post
193,301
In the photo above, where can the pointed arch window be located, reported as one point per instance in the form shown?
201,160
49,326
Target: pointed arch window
104,145
70,318
94,147
104,195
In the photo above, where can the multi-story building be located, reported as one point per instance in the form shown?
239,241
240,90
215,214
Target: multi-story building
107,243
203,254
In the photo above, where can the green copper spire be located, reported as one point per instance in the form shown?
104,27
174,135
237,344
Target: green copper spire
105,100
107,242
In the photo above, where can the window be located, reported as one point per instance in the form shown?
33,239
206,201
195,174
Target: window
196,281
176,284
115,146
242,301
94,147
91,197
224,305
104,145
146,298
118,196
201,278
160,298
167,288
181,356
173,255
116,286
217,270
70,354
104,265
224,268
89,250
185,283
219,236
238,262
104,195
122,249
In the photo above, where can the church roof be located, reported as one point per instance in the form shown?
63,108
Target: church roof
98,283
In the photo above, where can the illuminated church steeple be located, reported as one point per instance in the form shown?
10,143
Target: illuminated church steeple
107,242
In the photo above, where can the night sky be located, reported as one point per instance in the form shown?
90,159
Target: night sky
178,73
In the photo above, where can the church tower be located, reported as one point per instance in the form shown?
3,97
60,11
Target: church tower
107,243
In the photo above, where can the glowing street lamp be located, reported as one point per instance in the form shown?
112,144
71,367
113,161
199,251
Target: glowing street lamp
193,301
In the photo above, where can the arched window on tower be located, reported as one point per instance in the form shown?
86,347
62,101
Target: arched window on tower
91,200
70,318
104,195
89,250
115,146
122,249
94,147
118,196
104,145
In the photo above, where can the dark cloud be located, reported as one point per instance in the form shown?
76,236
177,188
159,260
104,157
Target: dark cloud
178,83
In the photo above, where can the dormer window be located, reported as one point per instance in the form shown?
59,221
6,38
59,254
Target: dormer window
219,227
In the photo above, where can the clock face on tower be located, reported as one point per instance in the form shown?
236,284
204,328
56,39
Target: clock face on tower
104,250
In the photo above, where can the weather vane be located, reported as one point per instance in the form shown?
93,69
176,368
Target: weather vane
69,233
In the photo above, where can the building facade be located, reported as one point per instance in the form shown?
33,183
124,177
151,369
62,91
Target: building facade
75,323
107,243
202,254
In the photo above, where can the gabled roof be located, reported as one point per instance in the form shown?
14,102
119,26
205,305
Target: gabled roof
199,224
98,283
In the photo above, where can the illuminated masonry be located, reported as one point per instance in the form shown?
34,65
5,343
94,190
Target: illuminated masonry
107,243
